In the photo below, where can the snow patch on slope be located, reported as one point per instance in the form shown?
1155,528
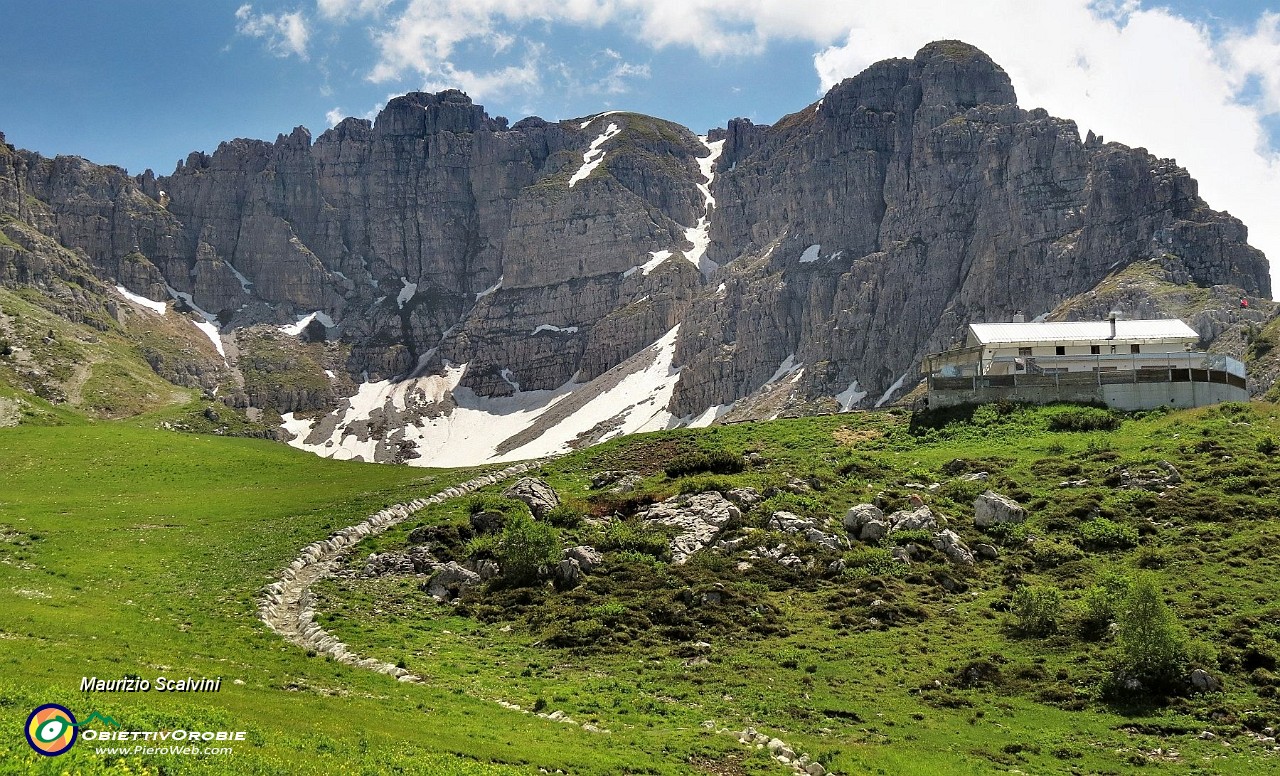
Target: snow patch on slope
491,289
810,254
892,389
294,329
406,293
655,259
700,233
850,396
594,155
246,282
787,367
559,329
471,431
711,415
208,327
587,123
150,304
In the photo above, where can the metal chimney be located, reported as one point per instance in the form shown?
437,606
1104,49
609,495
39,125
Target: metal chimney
1114,314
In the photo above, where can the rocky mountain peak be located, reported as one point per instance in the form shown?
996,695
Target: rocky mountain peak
620,267
958,75
419,114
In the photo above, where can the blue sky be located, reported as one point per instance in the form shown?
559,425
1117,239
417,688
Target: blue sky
141,83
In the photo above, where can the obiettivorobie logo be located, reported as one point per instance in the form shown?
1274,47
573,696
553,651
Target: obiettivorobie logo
52,730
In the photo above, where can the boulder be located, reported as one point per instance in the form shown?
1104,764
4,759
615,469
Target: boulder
1172,475
609,477
540,496
486,569
953,547
450,581
627,484
568,573
874,530
991,509
1203,681
487,521
388,563
986,551
587,557
859,515
812,530
745,497
921,518
697,519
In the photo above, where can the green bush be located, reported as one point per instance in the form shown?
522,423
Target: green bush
564,516
1266,446
525,547
1104,601
716,461
914,536
1037,609
873,562
1083,419
482,547
1049,553
631,536
1101,532
1153,647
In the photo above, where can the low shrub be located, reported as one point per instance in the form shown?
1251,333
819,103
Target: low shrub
873,562
525,547
1083,419
1153,646
1049,553
564,516
716,462
1104,533
1036,609
630,536
914,536
1103,602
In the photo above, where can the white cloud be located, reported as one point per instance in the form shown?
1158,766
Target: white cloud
486,84
346,9
334,116
285,34
1257,55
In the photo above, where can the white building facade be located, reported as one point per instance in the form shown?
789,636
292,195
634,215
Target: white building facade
1130,365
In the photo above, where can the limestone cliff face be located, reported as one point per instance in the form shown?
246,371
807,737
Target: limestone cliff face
933,201
822,255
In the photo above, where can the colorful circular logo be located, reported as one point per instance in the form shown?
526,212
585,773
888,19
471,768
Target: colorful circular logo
51,729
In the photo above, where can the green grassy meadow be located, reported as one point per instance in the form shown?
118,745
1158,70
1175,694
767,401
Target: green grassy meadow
126,550
890,696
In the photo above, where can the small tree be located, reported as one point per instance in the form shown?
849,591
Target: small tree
1037,609
1153,647
525,547
1104,601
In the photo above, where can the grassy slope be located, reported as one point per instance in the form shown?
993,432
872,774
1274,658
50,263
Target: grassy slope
863,699
146,556
133,551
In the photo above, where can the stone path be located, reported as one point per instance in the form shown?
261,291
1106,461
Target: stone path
287,606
